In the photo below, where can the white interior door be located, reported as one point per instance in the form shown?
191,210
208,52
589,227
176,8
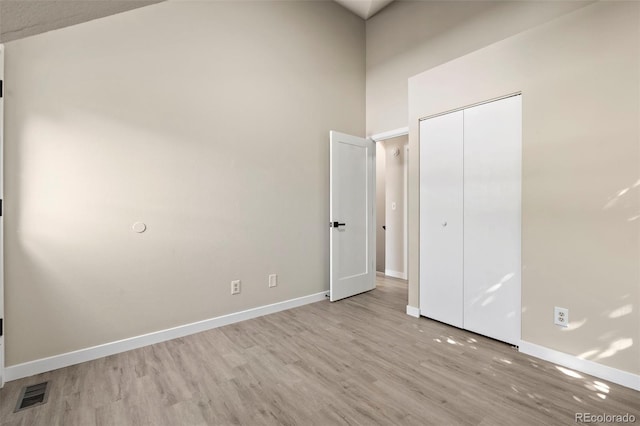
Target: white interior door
441,227
470,218
1,217
352,216
492,200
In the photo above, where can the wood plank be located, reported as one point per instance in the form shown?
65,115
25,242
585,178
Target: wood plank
361,360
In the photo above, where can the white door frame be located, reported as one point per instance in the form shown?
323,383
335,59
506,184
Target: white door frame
383,136
406,211
2,326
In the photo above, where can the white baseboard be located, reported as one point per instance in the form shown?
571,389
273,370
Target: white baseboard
31,368
611,374
414,312
395,274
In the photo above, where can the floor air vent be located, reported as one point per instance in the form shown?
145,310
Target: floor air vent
33,395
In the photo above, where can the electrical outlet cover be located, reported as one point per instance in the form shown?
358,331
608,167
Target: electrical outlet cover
273,280
561,316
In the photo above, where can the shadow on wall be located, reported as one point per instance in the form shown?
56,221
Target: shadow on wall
195,119
612,341
445,19
593,393
464,26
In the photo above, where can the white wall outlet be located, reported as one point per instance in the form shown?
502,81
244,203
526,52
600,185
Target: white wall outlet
235,287
273,280
561,316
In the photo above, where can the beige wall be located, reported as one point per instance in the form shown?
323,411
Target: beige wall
208,121
580,82
409,37
381,178
395,246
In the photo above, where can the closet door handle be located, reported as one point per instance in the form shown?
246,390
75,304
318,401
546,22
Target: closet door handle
444,224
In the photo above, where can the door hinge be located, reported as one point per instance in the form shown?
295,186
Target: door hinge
1,327
1,91
0,207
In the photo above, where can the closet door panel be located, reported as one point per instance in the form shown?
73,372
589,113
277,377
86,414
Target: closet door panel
492,216
441,184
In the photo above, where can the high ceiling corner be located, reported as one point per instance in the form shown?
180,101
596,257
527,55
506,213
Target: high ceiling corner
364,8
24,18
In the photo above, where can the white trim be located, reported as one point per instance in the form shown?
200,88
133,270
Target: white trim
70,358
414,312
405,219
611,374
2,339
402,131
499,98
395,274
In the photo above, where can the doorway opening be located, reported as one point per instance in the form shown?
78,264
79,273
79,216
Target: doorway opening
392,161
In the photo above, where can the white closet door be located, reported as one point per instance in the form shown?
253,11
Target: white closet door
492,236
441,184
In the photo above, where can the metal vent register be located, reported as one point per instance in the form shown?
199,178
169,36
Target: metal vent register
33,395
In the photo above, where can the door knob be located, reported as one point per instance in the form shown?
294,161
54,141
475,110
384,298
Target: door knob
336,224
444,224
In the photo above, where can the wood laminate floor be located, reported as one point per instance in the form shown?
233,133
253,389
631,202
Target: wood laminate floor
360,361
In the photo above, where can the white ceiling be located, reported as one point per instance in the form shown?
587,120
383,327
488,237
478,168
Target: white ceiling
24,18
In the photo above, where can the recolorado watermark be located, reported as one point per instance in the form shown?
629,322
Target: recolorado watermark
604,418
